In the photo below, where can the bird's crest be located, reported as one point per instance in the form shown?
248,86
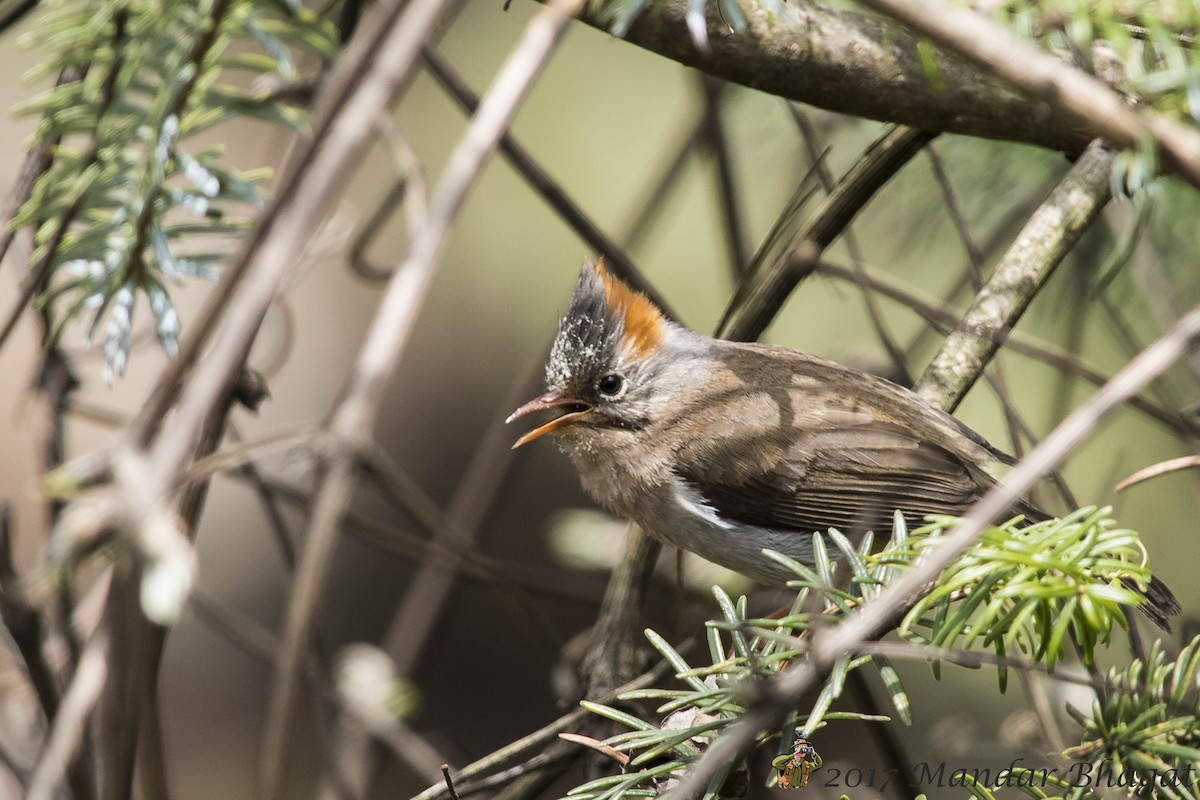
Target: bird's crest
641,321
606,320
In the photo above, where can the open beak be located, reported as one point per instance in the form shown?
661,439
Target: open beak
571,411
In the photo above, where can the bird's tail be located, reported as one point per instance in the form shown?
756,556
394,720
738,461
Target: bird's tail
1160,603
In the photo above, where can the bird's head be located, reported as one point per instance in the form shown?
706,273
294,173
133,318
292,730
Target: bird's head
604,377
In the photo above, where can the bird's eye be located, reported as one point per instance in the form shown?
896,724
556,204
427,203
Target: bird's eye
611,385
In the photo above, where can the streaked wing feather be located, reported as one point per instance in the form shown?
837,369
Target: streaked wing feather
852,479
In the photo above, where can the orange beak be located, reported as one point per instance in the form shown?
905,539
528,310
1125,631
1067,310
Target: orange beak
572,411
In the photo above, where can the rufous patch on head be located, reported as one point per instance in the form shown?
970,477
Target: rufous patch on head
642,321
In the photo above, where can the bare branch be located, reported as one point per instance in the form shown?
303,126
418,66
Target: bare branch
1046,238
854,64
763,291
389,334
1080,100
69,724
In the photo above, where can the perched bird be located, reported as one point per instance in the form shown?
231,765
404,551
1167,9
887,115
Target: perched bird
725,448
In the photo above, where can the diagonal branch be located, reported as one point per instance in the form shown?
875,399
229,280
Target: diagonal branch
1080,100
854,64
355,416
1046,238
762,292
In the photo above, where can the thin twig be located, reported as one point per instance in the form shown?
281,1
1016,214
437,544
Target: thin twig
389,334
1015,342
909,651
548,733
645,212
1042,710
449,782
67,731
452,537
974,256
896,353
392,540
551,192
409,192
1155,470
1131,343
762,294
726,185
469,507
1001,234
24,623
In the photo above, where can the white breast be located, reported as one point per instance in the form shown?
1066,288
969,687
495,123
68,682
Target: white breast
681,516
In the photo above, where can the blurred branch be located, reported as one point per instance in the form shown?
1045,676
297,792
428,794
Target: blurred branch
645,212
24,623
142,700
366,79
616,646
809,134
763,291
615,257
942,318
258,643
392,540
37,160
1157,470
355,416
453,535
69,725
726,185
542,736
850,62
410,191
1080,100
17,13
1046,238
954,208
769,709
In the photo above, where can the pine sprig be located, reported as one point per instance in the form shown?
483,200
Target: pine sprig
1020,589
1026,589
115,212
1146,725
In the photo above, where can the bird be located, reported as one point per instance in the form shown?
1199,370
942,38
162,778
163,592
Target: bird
725,448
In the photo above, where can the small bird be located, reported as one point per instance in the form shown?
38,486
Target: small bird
726,448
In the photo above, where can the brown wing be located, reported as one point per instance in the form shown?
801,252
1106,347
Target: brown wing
852,479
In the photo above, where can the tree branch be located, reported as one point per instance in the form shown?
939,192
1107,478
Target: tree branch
855,64
1075,98
355,416
763,291
1046,238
